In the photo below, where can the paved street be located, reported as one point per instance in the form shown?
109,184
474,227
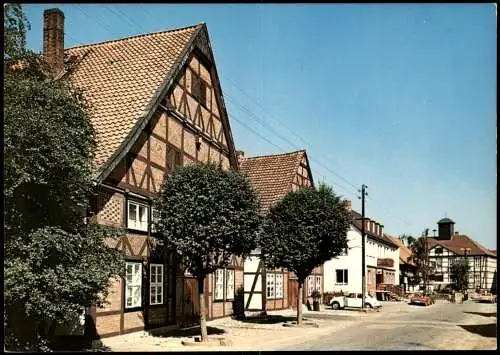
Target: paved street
400,326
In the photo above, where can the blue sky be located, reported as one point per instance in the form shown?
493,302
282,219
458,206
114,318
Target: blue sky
401,98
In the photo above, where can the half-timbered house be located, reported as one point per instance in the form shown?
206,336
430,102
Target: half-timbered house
274,176
156,103
450,246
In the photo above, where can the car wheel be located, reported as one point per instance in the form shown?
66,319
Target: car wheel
335,305
369,305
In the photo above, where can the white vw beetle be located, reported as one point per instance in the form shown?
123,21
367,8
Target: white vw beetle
353,300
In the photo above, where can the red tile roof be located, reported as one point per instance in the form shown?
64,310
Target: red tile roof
404,251
272,175
356,217
120,79
459,241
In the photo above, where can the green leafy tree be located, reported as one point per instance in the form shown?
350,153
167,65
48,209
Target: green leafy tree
459,274
413,278
207,215
304,230
55,263
420,257
15,26
407,239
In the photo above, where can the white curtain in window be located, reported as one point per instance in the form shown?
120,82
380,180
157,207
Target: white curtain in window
318,283
219,284
310,285
137,216
229,284
270,286
133,282
279,285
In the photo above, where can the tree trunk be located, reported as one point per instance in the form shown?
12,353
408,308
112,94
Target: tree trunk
299,303
203,321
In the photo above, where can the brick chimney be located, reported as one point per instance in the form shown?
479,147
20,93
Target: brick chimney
240,155
367,224
348,204
381,229
53,39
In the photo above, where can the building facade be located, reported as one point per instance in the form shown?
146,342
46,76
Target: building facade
156,103
407,267
344,273
450,246
274,176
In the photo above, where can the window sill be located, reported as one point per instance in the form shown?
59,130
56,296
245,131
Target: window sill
132,309
223,301
141,231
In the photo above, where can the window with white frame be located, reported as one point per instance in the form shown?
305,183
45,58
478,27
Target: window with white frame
341,276
439,263
156,284
133,284
279,285
310,285
137,216
224,284
270,286
219,284
229,284
318,284
274,285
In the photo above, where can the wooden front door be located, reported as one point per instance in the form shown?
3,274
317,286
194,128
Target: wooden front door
191,304
293,293
188,300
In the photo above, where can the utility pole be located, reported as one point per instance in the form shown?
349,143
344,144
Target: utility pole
426,260
363,267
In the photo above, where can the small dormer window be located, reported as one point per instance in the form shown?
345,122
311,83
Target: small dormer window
438,251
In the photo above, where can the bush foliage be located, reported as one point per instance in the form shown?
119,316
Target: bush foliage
304,230
207,215
55,264
459,274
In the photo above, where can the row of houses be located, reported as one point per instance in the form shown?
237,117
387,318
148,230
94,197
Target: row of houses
156,104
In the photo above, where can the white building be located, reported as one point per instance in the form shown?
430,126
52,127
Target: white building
449,246
344,273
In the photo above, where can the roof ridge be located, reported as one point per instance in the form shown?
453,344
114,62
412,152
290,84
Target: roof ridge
275,155
485,250
135,36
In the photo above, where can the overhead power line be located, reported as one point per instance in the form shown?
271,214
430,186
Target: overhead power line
120,14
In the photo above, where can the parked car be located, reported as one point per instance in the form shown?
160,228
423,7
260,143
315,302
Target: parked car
421,299
353,300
